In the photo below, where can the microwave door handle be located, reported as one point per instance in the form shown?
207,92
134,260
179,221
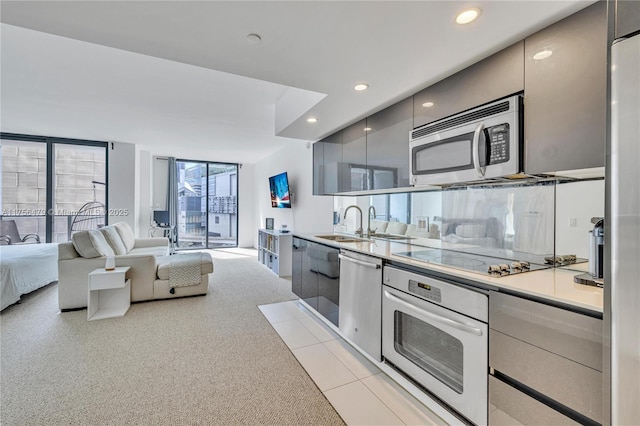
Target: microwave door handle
476,151
437,318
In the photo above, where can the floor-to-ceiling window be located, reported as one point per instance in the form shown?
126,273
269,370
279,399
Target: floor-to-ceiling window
46,181
207,204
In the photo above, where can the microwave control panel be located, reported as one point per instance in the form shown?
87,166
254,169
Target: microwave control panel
498,143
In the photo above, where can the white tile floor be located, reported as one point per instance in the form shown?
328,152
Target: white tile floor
359,391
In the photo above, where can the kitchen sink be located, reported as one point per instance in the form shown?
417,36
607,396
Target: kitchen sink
342,238
391,237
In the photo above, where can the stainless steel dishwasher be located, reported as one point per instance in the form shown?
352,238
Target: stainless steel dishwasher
360,307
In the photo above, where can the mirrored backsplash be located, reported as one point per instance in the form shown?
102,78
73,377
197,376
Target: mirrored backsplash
528,221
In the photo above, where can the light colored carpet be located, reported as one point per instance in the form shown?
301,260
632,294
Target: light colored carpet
202,360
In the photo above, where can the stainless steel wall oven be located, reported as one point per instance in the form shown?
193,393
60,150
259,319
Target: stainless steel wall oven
437,334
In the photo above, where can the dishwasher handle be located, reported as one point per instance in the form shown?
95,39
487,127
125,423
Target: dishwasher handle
437,318
359,262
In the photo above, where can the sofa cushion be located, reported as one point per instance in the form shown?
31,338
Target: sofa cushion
321,253
90,244
126,233
164,265
397,228
113,239
153,251
379,226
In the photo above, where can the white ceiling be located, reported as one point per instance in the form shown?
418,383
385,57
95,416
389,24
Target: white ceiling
181,77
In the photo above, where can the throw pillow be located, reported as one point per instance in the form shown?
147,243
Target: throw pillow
83,245
100,243
90,244
113,239
126,233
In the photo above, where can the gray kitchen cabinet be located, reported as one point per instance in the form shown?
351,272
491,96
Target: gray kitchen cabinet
332,163
316,276
565,93
318,168
627,19
298,249
551,354
354,158
495,77
388,146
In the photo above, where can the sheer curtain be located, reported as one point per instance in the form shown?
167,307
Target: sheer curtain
172,197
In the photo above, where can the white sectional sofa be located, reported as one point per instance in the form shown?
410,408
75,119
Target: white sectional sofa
148,258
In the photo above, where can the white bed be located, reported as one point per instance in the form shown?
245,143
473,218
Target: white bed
25,268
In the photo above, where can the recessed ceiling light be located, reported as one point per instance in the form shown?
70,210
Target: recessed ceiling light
467,16
360,87
367,129
312,120
543,54
254,38
427,104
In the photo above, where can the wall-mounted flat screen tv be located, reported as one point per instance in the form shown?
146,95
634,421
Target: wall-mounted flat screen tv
279,186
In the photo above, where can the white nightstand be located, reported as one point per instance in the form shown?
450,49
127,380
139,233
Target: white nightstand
109,293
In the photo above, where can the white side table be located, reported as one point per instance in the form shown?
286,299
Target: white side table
109,293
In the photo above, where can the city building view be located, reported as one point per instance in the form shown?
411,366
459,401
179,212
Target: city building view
78,175
207,205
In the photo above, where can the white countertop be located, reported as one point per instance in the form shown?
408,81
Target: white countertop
553,284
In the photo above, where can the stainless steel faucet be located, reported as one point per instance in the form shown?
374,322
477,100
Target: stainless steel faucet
369,230
359,230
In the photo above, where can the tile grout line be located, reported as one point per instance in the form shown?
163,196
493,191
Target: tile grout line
310,315
384,403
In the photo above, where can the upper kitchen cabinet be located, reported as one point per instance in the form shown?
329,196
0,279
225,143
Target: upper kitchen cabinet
627,17
353,173
332,162
388,146
565,93
495,77
318,168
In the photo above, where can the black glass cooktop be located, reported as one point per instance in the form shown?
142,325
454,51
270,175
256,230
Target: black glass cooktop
486,265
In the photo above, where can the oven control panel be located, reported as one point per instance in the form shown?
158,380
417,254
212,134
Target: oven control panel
427,291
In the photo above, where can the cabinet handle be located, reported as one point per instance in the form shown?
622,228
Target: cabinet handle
359,262
476,151
435,317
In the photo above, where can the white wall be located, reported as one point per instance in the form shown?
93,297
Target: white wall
160,173
122,183
309,213
247,234
143,196
580,201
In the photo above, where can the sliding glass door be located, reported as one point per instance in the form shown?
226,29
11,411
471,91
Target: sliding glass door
207,205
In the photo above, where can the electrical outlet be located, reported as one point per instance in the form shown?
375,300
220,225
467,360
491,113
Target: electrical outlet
573,222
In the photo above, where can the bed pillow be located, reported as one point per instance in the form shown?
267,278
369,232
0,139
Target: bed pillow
126,234
113,239
90,244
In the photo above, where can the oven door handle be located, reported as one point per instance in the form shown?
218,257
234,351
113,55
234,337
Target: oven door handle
359,262
437,318
476,150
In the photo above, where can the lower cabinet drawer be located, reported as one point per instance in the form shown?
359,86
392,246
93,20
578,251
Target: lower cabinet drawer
560,379
507,404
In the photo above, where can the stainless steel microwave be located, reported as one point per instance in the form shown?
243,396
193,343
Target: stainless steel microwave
475,145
